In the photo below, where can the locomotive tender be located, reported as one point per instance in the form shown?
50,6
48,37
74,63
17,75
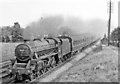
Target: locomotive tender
35,57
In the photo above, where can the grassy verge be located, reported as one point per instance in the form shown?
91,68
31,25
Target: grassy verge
7,51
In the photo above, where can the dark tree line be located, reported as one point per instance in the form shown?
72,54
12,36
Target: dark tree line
11,34
115,36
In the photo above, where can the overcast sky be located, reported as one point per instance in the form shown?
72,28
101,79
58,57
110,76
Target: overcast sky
26,11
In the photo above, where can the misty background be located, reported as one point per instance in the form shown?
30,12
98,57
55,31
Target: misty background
54,25
55,17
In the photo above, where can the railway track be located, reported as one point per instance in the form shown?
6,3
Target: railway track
4,76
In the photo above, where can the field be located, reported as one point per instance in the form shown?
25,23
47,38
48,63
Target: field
7,51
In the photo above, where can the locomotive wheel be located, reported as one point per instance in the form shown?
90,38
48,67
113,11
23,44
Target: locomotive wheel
19,78
64,58
61,59
36,74
45,69
53,62
13,76
40,72
31,76
69,55
50,67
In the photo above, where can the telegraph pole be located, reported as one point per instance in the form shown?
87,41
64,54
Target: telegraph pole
109,23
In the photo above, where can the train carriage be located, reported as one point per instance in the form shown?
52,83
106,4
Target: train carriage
77,44
66,47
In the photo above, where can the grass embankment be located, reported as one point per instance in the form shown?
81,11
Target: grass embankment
7,51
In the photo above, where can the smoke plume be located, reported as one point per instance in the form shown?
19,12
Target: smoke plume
57,25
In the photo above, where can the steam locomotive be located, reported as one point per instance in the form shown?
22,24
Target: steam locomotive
36,57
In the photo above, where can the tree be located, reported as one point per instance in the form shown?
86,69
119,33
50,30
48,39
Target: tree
115,35
16,32
5,33
13,33
119,34
0,34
